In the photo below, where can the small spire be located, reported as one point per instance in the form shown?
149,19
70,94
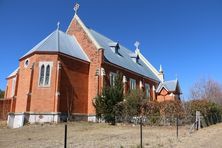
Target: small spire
76,8
137,44
161,69
176,76
58,25
161,74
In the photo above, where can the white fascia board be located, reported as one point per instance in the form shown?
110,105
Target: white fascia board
153,69
86,30
159,90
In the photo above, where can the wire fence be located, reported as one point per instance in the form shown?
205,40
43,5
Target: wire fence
171,120
194,122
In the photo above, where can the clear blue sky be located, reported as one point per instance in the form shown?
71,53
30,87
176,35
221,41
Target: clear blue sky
185,36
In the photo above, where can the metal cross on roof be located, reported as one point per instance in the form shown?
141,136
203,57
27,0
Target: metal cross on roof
137,44
58,24
76,8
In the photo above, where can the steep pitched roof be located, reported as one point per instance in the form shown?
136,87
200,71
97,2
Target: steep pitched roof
170,86
59,41
124,58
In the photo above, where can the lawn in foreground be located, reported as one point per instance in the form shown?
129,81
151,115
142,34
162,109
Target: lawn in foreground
85,135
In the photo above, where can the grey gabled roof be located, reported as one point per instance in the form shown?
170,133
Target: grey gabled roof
170,86
59,41
123,58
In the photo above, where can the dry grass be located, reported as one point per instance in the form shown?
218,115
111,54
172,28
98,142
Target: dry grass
85,135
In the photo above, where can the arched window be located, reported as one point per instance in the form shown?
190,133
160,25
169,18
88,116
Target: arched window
42,73
112,77
47,75
147,90
132,84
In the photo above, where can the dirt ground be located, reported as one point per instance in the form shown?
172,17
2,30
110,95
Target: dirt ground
100,135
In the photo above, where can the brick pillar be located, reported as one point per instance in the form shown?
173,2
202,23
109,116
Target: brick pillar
101,69
124,84
103,74
28,104
57,95
154,92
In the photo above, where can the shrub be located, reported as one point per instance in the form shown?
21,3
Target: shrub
152,111
105,104
172,108
151,108
210,111
134,101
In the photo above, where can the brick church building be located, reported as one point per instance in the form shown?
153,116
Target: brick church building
64,72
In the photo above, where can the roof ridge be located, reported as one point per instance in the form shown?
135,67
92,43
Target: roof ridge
58,39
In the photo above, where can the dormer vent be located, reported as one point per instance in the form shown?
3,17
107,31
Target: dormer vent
135,57
114,46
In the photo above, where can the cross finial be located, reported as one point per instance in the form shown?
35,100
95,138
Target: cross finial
76,8
58,24
161,69
137,44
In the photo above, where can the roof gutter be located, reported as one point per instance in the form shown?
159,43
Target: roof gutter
131,71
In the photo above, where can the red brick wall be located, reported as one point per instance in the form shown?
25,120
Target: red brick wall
74,75
95,56
111,68
41,99
78,80
23,85
164,95
74,86
5,106
8,92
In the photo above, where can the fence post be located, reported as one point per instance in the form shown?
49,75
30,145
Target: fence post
177,125
65,137
141,132
197,120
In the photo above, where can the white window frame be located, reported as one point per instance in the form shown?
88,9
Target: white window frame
147,90
45,63
13,86
132,84
112,77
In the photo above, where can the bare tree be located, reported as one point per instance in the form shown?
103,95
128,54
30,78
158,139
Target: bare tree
207,89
